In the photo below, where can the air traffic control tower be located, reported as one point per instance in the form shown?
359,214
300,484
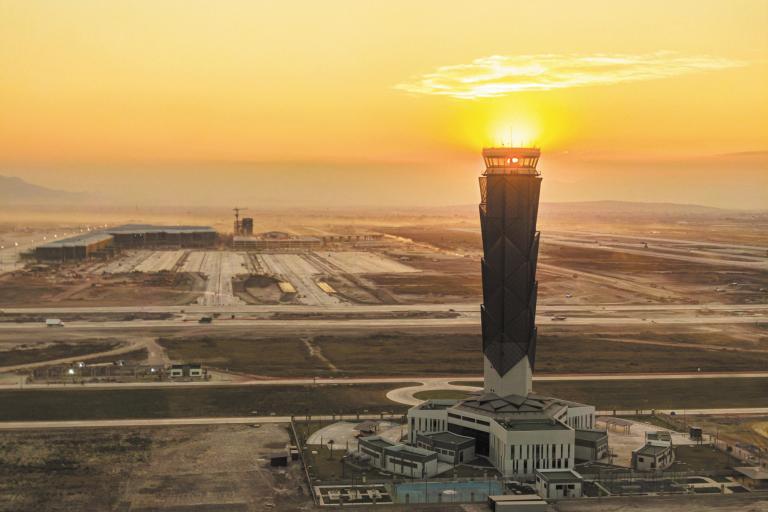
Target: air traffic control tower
517,430
509,204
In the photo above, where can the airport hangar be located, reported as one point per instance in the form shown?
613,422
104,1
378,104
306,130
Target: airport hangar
129,236
521,433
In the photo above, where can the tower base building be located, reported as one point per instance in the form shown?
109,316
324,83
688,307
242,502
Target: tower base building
517,434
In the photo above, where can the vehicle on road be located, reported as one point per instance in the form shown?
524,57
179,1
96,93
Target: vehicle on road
53,322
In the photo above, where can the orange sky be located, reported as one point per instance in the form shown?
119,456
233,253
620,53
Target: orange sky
626,99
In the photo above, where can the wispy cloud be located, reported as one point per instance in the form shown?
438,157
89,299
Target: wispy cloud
500,75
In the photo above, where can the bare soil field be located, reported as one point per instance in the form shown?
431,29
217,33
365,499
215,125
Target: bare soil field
752,430
221,468
191,402
19,289
584,275
680,503
259,289
561,349
73,317
698,283
12,354
256,356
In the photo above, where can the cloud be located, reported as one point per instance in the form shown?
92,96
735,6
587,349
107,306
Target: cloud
500,75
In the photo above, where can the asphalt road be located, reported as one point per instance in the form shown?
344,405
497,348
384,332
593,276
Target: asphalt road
463,307
431,382
464,320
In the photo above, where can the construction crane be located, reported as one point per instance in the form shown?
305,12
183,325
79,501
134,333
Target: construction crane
238,227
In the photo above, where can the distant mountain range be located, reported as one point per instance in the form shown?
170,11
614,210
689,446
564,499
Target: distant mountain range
631,207
15,190
604,208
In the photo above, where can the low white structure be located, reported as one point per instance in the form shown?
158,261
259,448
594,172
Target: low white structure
554,484
653,457
657,453
591,445
400,459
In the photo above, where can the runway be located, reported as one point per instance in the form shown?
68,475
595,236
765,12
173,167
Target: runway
246,420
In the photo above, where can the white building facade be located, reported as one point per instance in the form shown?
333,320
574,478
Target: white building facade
518,435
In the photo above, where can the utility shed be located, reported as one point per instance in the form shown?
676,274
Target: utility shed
553,484
653,457
591,445
517,503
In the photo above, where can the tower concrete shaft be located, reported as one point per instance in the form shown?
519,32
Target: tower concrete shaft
509,205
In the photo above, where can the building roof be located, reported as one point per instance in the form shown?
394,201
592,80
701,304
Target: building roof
377,441
651,450
526,425
516,412
449,438
516,497
436,404
661,435
559,475
82,239
497,405
753,472
138,229
591,435
241,238
411,452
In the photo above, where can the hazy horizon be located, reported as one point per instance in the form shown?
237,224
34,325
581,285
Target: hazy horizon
738,181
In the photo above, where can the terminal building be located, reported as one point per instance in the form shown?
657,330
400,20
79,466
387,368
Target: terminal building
516,430
106,242
79,247
276,240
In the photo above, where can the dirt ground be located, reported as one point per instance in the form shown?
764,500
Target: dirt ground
197,401
201,468
259,289
54,288
580,275
12,354
695,503
745,430
561,349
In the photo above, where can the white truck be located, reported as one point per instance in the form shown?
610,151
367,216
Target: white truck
53,322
